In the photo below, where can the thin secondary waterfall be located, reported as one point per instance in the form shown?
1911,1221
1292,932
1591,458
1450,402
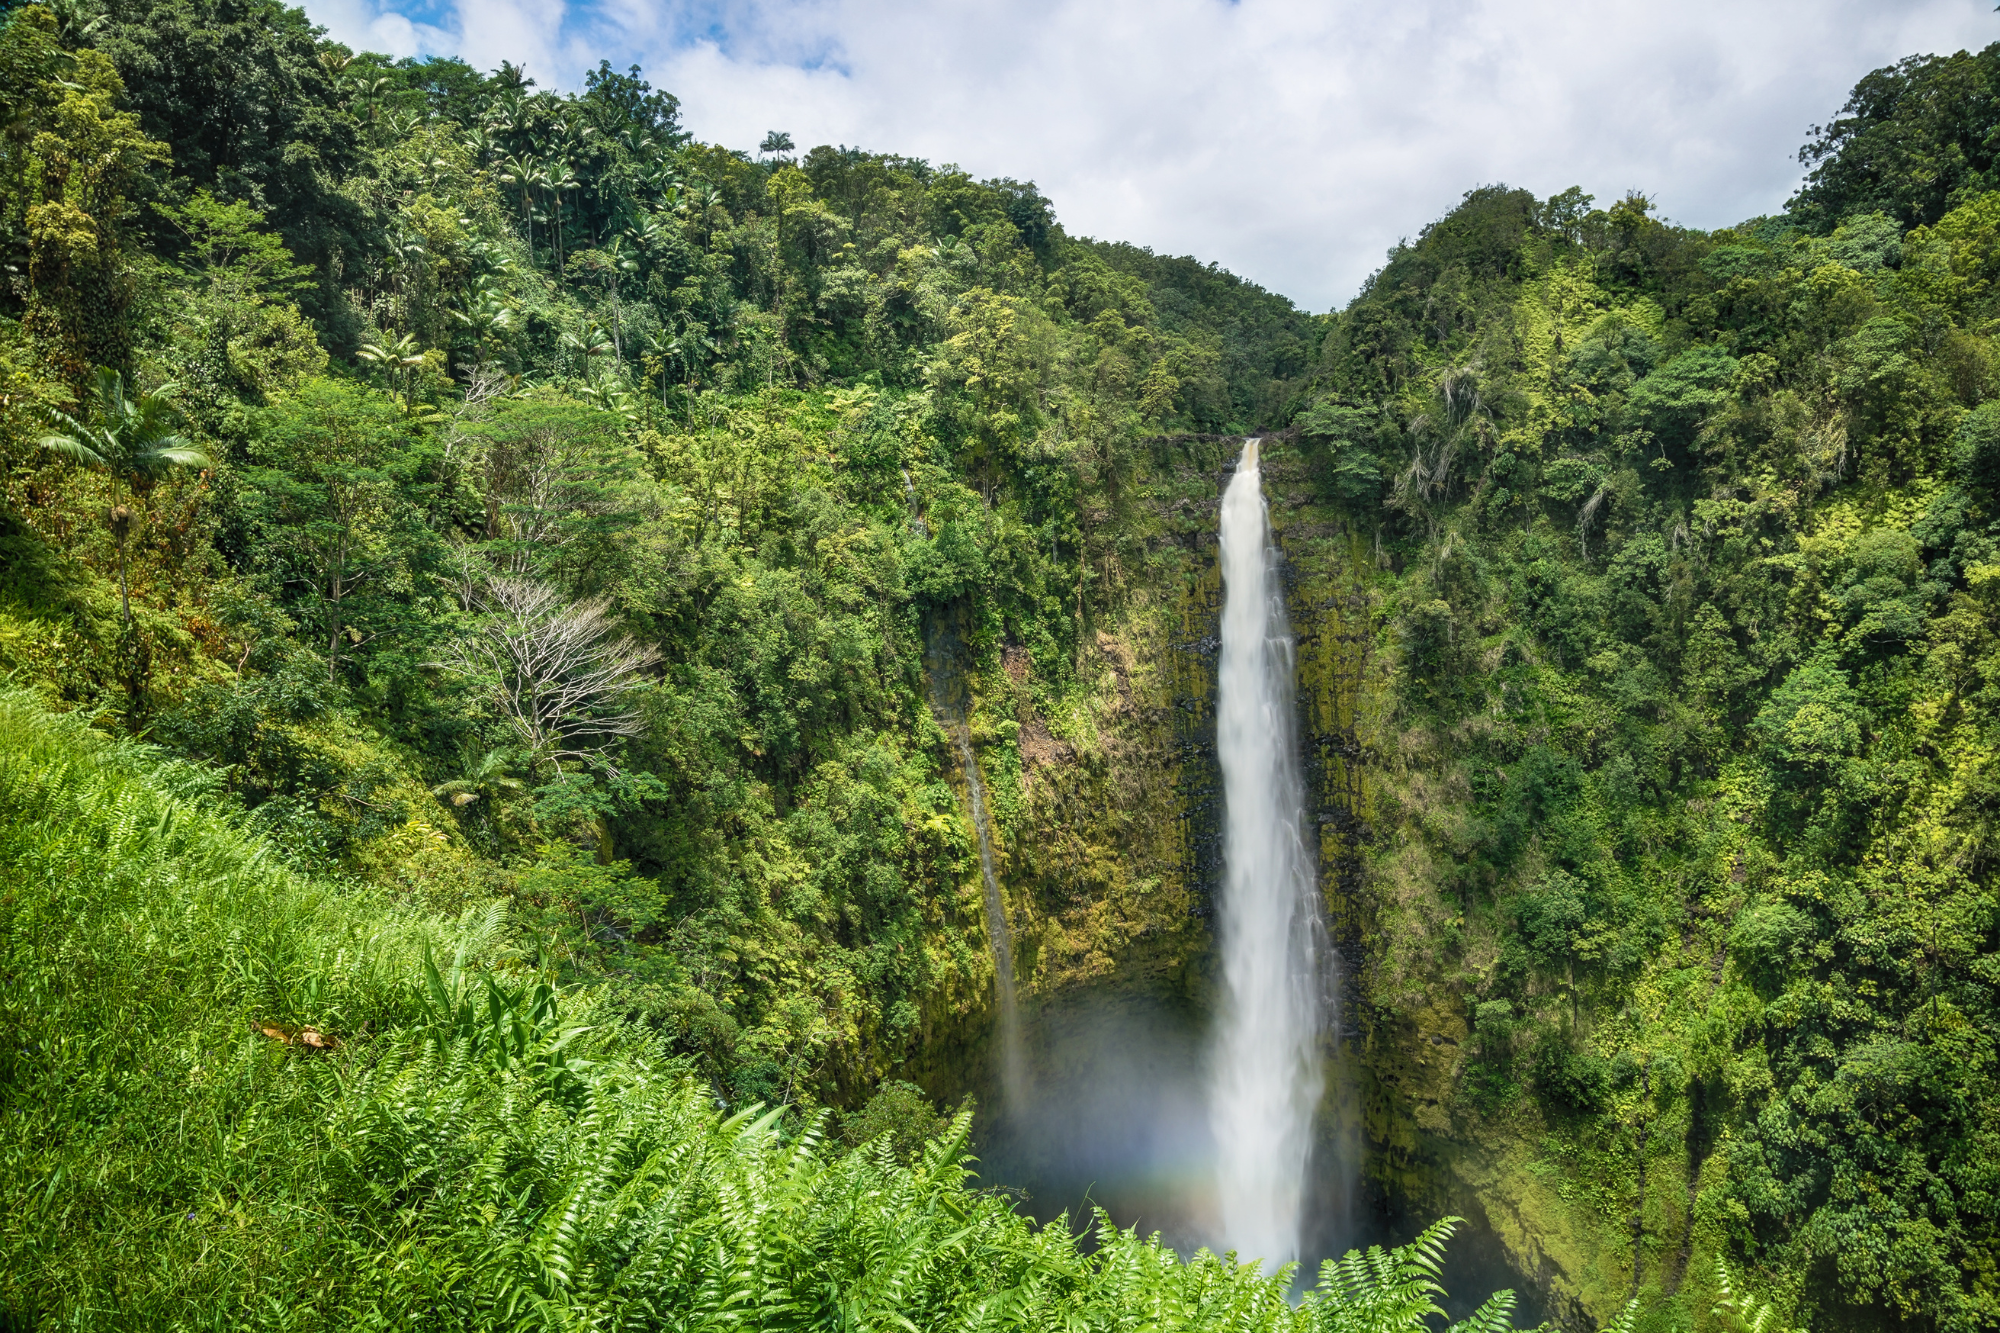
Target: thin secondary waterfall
1013,1061
942,647
1265,1069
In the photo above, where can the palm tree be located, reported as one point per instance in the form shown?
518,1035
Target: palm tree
697,203
648,236
612,264
482,144
133,441
589,341
1458,423
404,258
607,395
685,349
488,778
401,360
487,317
524,173
77,21
560,177
402,124
369,92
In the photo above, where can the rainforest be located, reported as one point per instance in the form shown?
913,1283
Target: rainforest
607,731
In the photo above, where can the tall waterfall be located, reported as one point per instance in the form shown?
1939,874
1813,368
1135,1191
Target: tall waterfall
1265,1069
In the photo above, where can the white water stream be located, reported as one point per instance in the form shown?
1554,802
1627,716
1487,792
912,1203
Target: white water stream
1013,1057
1265,1069
942,649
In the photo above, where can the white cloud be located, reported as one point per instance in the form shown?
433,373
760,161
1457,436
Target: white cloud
1291,141
367,26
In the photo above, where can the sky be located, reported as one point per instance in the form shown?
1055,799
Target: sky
1290,141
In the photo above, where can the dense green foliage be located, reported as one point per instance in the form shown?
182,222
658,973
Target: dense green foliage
535,542
1692,630
479,1150
1913,142
732,426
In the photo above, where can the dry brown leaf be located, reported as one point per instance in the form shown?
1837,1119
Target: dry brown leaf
310,1038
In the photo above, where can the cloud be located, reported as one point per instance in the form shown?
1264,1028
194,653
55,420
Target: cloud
1291,141
366,26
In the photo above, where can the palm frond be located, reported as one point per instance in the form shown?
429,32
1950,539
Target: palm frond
75,450
182,455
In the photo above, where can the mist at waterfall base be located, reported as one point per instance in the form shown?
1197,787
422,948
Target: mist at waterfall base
1215,1130
1117,1117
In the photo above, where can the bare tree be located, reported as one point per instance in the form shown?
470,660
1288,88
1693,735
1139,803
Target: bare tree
560,672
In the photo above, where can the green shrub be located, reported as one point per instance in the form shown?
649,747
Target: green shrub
237,1097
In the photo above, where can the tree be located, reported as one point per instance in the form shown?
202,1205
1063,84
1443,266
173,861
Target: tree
553,477
71,158
237,90
775,143
332,512
610,265
559,672
133,440
1457,424
1914,140
525,174
627,104
898,1111
686,349
227,245
559,178
402,361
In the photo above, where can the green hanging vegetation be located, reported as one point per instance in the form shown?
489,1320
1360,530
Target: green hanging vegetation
1680,762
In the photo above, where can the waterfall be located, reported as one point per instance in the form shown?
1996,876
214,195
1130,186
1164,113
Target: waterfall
1013,1062
1265,1072
942,648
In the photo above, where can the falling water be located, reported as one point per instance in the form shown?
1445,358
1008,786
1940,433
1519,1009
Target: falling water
947,705
1013,1063
1265,1068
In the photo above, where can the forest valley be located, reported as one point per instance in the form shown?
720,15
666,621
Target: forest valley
479,846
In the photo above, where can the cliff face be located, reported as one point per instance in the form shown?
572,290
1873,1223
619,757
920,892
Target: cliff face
1104,811
1106,832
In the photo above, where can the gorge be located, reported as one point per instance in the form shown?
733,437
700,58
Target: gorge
594,719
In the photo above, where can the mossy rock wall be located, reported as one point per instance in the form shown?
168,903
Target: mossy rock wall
1107,845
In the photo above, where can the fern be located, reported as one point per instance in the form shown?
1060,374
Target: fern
483,1150
1744,1311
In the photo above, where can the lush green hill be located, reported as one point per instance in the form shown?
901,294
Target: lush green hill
1680,764
765,416
236,1097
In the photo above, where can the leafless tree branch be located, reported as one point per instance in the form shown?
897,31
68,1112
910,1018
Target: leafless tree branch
560,672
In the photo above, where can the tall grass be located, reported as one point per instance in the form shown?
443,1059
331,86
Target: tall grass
233,1097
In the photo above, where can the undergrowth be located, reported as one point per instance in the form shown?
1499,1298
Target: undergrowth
237,1097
